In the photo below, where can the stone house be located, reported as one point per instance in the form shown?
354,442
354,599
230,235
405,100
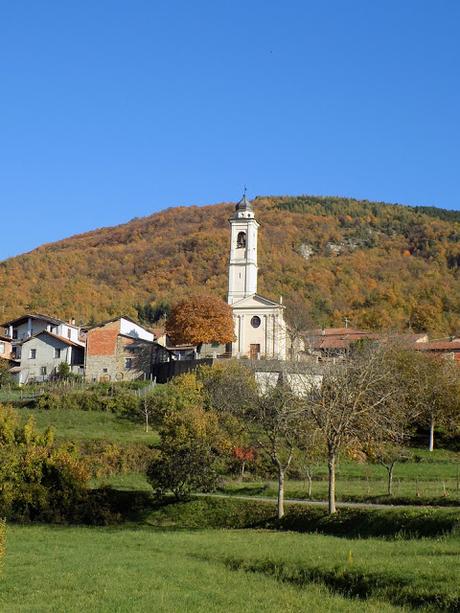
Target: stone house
120,350
42,353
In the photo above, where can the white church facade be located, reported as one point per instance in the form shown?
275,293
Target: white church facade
260,329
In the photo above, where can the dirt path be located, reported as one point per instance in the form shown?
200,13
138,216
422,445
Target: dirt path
323,503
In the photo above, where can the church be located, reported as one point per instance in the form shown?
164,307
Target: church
260,329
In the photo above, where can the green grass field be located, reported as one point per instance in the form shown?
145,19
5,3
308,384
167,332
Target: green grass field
434,479
354,490
141,569
89,425
427,477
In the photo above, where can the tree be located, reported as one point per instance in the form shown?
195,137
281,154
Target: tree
433,390
298,323
355,403
274,418
268,415
189,453
243,455
201,319
388,456
310,453
192,443
148,408
228,386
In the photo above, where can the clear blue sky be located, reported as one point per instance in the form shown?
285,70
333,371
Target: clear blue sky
113,109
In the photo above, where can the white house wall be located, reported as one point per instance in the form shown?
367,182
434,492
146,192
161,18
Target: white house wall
299,383
128,328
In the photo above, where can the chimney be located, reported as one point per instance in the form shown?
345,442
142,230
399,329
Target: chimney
281,299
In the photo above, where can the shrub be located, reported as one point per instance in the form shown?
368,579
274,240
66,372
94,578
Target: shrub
39,480
105,458
116,400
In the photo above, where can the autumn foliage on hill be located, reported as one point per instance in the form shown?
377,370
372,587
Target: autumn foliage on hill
201,319
382,266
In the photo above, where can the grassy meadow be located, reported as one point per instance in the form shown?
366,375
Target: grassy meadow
141,569
427,477
433,478
179,558
79,425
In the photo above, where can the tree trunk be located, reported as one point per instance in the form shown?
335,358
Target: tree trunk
146,414
243,466
390,469
310,483
431,443
331,494
280,493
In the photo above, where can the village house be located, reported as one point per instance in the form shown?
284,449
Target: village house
121,350
20,329
333,343
42,353
36,356
449,348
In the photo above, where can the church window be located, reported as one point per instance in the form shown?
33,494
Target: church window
255,321
241,240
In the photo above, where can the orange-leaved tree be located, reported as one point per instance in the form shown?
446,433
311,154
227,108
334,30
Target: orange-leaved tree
201,319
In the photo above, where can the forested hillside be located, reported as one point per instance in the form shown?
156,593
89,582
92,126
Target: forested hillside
380,265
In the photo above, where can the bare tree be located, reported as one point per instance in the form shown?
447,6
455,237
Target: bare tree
298,323
311,453
355,403
388,456
268,413
147,406
274,420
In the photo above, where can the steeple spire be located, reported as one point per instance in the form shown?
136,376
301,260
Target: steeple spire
244,205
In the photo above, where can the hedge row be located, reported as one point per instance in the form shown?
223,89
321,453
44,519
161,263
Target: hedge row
213,512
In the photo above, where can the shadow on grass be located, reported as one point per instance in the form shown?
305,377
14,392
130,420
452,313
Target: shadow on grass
348,582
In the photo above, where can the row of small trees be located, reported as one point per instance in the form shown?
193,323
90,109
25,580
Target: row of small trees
366,405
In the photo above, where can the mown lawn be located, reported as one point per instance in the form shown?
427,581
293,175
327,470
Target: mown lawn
89,425
141,569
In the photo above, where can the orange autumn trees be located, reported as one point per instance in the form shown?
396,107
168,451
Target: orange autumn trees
381,266
201,319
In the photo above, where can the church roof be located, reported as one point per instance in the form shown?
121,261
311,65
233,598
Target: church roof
255,300
244,204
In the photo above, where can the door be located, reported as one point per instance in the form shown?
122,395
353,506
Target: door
254,351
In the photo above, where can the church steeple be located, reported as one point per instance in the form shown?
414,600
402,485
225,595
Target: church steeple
242,273
244,205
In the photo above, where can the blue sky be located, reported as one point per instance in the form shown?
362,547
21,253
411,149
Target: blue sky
112,109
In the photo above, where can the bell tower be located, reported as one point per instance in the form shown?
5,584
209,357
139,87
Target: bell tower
242,272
